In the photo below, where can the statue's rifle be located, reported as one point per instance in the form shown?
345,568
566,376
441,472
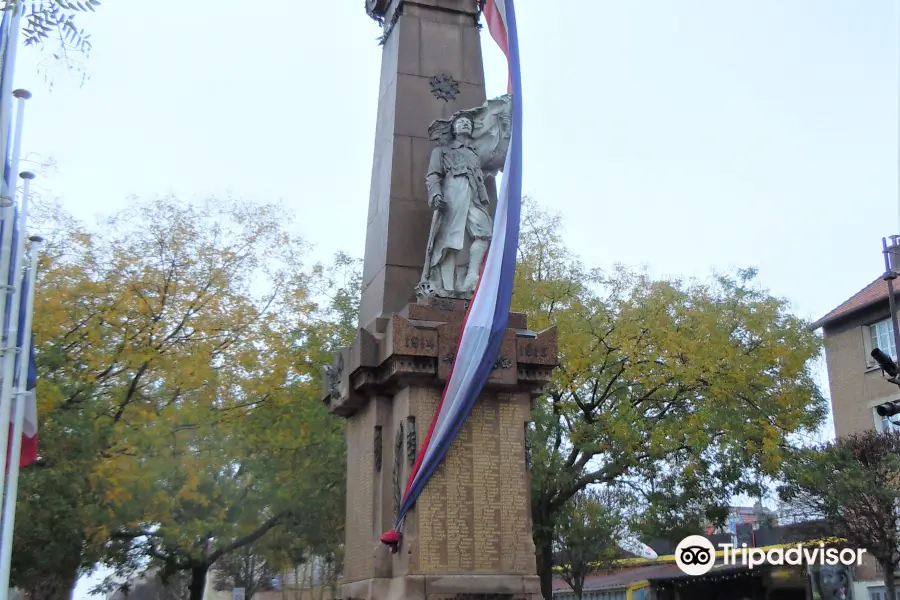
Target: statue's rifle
429,249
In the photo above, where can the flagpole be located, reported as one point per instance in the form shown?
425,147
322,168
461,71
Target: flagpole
10,200
9,351
7,354
21,96
8,70
12,484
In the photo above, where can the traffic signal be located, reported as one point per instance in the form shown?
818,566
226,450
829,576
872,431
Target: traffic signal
885,362
888,409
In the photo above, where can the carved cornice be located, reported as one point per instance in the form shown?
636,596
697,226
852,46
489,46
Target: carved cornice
387,12
418,347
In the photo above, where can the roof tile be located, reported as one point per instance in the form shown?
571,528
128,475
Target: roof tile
875,291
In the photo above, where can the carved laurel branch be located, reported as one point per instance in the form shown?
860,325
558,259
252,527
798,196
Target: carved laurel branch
398,467
528,462
411,444
379,443
389,27
334,374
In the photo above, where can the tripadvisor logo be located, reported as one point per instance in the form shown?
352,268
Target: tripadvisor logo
695,555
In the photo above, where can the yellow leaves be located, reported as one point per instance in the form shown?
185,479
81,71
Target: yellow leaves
180,330
716,369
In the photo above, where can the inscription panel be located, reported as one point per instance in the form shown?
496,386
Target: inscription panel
513,493
486,488
472,515
360,497
460,538
432,506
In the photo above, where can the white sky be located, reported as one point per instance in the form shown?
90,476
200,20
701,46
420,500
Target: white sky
687,136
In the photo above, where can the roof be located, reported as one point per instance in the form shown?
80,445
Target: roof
875,292
717,569
656,574
622,579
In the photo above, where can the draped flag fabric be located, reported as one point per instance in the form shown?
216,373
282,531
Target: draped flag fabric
29,402
29,433
488,313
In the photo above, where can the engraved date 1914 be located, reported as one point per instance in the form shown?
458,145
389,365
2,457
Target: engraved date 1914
417,342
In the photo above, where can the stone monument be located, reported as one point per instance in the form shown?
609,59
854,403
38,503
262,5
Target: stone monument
469,534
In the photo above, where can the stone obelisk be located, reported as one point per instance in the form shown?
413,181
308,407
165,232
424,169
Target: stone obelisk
469,533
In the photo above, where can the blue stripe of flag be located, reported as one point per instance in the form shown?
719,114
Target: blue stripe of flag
20,339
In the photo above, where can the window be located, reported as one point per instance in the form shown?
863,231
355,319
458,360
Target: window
882,335
877,593
885,424
879,570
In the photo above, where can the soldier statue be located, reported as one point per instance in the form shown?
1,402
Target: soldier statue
472,148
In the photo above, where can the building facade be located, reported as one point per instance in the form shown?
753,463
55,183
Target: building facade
857,386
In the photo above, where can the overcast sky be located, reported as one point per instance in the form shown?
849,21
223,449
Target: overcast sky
685,136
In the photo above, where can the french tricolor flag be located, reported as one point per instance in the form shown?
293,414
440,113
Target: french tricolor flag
486,320
28,402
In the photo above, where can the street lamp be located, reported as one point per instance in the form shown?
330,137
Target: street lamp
888,366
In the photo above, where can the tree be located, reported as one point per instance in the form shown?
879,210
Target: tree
672,514
587,531
696,386
150,586
854,484
55,22
251,568
180,351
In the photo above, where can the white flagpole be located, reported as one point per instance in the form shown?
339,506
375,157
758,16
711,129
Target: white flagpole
12,484
9,64
9,201
9,362
7,347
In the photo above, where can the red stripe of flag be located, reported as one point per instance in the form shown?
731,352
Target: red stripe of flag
497,27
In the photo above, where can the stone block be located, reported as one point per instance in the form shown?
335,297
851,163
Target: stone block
409,222
402,175
408,34
444,52
473,71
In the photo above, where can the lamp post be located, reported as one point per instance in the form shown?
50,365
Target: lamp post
888,364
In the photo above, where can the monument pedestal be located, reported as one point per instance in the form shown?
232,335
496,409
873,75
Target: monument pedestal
469,533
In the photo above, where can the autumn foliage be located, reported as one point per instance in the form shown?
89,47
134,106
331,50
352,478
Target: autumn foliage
684,390
179,352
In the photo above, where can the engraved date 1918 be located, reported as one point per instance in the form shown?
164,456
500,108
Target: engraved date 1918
532,351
